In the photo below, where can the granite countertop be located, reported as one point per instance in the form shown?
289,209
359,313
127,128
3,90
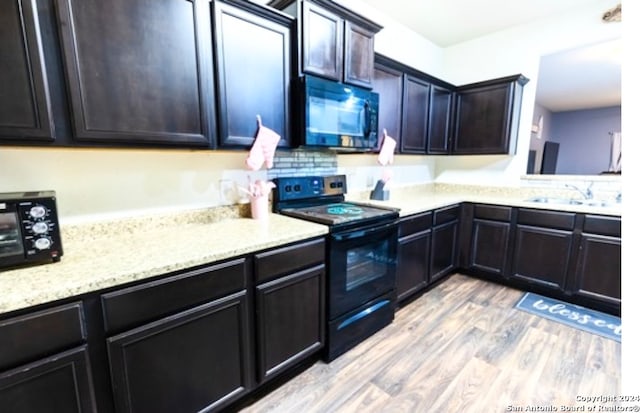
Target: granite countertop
101,256
413,200
105,255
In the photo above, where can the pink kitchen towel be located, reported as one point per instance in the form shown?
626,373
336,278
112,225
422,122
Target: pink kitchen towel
263,149
385,157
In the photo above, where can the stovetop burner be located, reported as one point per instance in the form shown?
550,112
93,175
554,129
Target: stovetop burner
338,213
343,209
321,200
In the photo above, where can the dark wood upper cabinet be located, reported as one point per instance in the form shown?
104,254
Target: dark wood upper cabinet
322,42
358,55
253,66
439,130
387,82
333,41
25,106
139,71
415,115
415,108
487,116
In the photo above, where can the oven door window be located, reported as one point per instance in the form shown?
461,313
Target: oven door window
362,266
367,263
10,239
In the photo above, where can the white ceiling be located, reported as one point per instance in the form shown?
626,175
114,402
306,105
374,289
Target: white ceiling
447,22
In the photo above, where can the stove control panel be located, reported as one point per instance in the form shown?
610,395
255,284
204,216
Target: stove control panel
303,187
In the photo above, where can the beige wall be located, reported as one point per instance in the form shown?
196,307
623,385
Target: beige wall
113,182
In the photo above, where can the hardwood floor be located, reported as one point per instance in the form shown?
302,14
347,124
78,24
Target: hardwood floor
461,347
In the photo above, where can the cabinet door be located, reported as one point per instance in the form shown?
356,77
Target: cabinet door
253,73
444,239
322,42
541,256
60,383
598,271
439,120
489,245
290,320
413,264
415,115
25,108
483,117
358,55
387,83
195,360
139,70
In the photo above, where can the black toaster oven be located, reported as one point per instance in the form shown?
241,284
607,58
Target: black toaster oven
29,229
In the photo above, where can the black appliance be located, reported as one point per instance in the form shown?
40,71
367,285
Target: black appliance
361,256
29,229
339,116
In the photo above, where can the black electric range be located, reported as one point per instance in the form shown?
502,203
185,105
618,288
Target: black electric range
360,256
322,200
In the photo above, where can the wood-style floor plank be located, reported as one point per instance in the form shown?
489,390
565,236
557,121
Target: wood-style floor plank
461,347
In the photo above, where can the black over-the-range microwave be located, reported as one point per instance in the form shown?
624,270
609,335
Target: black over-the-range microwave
29,229
339,116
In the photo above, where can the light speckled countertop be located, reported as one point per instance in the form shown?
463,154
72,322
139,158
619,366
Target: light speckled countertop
109,254
105,256
413,200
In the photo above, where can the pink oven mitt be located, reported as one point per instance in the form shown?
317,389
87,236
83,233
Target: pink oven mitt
385,157
263,149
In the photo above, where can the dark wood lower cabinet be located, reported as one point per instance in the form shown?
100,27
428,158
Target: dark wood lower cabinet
598,270
541,256
57,384
489,246
412,272
290,320
194,360
444,240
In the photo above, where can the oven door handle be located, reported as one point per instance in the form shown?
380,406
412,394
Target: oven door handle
363,314
363,233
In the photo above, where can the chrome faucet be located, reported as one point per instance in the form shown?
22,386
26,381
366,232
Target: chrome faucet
586,194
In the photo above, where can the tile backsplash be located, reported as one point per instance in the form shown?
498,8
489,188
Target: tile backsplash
300,162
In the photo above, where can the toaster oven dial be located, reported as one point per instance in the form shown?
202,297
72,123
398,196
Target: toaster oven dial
40,227
38,211
42,243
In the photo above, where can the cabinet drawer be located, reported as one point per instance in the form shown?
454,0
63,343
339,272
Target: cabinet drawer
602,225
132,306
286,260
415,223
548,219
34,335
492,212
444,215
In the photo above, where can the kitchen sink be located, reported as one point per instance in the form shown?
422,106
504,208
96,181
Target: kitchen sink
550,200
568,201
